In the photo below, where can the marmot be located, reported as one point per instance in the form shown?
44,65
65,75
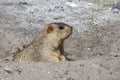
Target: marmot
47,46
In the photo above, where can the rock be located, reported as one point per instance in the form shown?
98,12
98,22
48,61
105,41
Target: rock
116,6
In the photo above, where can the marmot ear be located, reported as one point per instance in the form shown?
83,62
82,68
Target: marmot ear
49,29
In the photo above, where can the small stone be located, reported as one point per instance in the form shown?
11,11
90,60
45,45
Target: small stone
23,3
89,49
116,56
73,5
116,50
116,6
48,72
8,70
18,71
27,37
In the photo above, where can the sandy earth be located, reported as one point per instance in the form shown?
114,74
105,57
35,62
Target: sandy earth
94,46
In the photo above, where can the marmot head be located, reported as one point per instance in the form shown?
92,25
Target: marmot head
57,31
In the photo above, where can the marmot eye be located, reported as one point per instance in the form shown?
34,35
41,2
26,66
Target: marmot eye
61,27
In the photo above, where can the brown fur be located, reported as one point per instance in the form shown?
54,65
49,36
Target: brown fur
47,46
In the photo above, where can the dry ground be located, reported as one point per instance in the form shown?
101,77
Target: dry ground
94,45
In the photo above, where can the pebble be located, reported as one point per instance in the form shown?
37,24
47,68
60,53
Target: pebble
8,70
116,6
